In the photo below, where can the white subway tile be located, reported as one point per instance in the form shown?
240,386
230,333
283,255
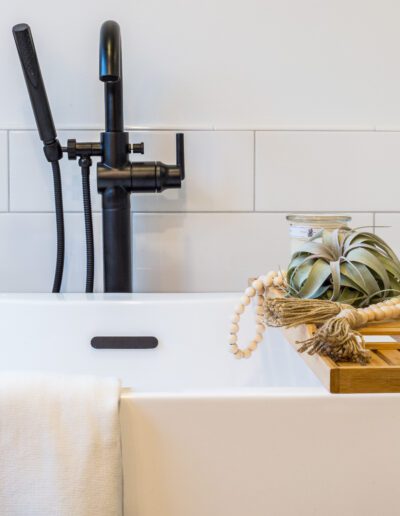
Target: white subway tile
327,171
388,228
219,171
173,252
219,166
213,63
28,243
209,252
3,171
31,180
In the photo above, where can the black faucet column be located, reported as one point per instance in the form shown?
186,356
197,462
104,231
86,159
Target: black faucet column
117,176
114,181
114,170
117,240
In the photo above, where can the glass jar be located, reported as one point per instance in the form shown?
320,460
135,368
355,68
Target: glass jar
304,226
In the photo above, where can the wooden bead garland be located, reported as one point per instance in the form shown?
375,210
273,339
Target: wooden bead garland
352,317
257,291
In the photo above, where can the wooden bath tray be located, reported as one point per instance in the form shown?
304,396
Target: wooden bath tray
382,374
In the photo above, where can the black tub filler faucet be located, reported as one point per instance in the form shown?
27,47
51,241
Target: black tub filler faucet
117,176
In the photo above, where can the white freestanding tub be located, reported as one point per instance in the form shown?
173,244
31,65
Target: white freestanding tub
203,433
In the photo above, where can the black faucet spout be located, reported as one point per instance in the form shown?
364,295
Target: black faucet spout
110,72
110,52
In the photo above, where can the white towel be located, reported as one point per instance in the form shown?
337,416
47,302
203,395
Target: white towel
60,450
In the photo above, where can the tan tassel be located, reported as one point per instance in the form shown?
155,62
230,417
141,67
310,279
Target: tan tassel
338,339
336,335
290,311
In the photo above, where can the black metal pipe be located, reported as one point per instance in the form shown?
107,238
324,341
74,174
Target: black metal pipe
117,239
85,164
113,103
59,209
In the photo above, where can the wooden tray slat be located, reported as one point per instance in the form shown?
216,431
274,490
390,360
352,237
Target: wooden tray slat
382,374
376,361
379,329
390,356
382,345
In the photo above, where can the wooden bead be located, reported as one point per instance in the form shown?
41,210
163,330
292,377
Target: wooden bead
239,309
253,345
257,285
260,328
278,281
269,278
260,300
396,310
234,328
379,314
250,292
388,311
370,313
263,280
362,317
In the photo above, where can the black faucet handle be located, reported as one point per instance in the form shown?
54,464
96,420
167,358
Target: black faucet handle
171,176
180,153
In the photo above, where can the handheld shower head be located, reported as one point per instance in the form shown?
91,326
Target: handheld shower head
34,82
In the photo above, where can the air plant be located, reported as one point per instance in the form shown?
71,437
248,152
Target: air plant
344,265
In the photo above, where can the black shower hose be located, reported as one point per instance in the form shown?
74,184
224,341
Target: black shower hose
58,199
85,164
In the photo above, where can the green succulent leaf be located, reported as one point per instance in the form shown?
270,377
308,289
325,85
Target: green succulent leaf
365,257
335,272
316,248
320,271
349,296
349,266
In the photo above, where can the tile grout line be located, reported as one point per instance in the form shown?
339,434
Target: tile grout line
254,171
220,129
207,212
8,173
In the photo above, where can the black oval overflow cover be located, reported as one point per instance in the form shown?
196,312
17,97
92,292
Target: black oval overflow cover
124,342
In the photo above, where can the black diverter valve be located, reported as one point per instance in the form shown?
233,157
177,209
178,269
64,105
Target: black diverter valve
154,176
167,176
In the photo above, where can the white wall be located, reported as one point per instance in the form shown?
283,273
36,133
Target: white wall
286,106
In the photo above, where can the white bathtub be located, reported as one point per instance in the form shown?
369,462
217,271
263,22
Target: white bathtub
203,433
